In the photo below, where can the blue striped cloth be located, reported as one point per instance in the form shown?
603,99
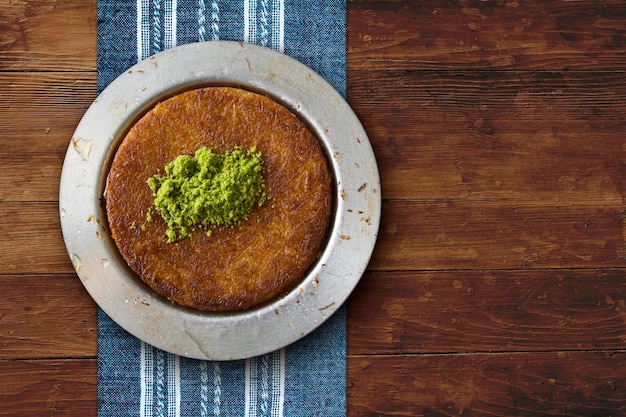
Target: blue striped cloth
306,378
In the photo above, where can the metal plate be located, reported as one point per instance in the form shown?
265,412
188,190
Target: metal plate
131,303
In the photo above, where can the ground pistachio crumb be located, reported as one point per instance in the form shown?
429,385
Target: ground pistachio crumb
207,190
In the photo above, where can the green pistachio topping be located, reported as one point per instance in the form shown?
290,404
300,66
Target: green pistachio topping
207,190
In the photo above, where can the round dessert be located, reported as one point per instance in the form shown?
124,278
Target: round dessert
221,267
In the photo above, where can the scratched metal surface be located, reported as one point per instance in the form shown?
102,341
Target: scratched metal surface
130,302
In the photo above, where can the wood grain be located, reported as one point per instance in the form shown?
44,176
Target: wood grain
499,135
495,134
414,235
383,35
46,316
487,311
496,234
32,240
538,384
511,35
496,287
40,113
48,35
48,388
390,313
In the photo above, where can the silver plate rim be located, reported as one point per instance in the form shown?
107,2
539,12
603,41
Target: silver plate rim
130,303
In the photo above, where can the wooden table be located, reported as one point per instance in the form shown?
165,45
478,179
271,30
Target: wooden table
498,283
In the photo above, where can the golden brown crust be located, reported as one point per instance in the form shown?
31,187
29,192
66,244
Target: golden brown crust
234,268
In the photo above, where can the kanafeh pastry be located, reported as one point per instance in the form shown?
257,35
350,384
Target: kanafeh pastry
219,199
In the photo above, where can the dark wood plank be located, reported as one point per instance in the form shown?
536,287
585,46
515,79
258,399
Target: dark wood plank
46,316
529,35
32,240
539,384
445,235
498,311
40,113
390,313
535,384
414,235
48,35
383,35
48,388
474,135
453,135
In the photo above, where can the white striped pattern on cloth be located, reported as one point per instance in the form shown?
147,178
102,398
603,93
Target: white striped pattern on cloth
156,26
201,21
204,389
265,387
263,18
160,383
161,391
264,24
217,391
160,371
214,22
